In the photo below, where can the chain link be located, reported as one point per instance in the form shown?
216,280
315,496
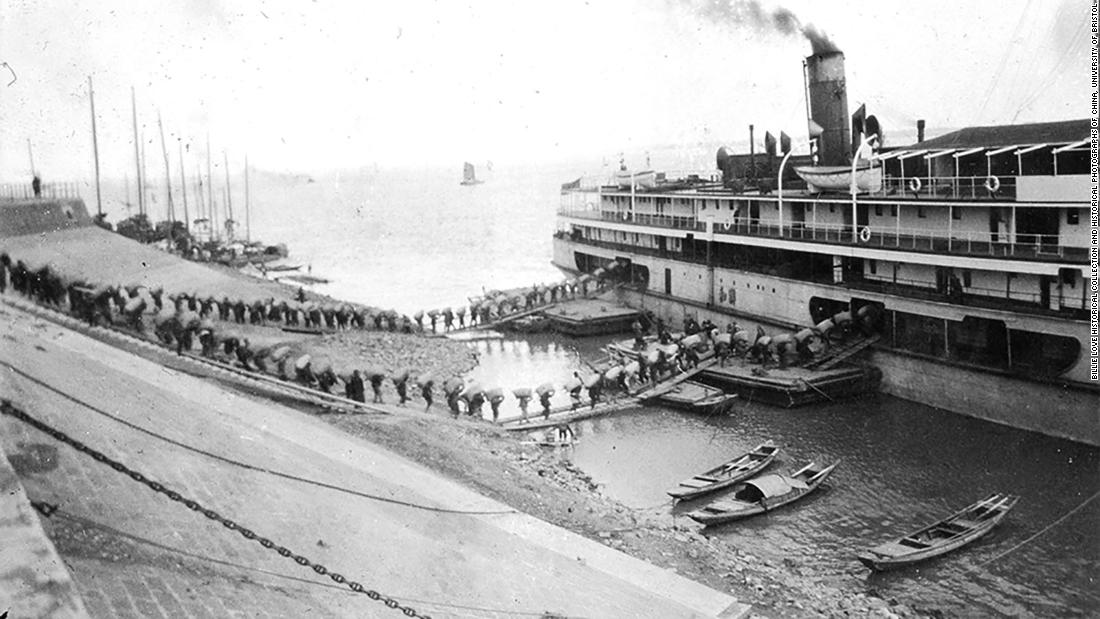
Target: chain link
7,408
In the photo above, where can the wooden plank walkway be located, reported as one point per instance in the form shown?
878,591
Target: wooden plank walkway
567,414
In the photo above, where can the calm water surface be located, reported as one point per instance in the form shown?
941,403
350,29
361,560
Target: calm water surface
412,239
902,465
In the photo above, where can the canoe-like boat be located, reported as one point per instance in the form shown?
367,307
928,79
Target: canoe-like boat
695,396
951,533
763,494
839,178
728,473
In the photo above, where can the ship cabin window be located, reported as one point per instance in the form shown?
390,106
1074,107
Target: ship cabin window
956,213
878,210
920,211
832,208
1073,217
893,210
873,266
1075,161
966,278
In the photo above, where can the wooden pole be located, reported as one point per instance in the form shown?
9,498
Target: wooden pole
95,152
247,214
210,193
228,194
137,155
30,153
167,182
183,189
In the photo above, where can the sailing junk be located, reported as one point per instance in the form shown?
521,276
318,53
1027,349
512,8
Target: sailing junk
468,176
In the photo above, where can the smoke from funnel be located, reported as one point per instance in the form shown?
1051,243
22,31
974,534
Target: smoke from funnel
781,20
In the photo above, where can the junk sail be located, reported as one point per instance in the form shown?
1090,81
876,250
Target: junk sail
468,176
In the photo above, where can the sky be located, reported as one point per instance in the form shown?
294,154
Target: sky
307,86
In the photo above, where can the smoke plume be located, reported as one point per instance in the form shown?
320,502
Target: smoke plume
781,20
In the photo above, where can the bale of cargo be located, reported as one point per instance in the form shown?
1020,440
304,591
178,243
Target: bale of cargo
373,372
653,356
134,305
573,384
473,389
302,362
496,394
613,373
522,392
453,386
591,380
598,273
545,389
842,318
632,368
280,353
425,379
724,338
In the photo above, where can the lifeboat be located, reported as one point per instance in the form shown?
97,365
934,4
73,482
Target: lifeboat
839,178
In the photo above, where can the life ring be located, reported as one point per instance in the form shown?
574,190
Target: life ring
626,215
865,234
992,184
726,226
914,184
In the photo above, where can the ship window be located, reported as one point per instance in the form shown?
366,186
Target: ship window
920,210
893,210
832,208
919,334
1072,216
878,210
978,340
1042,354
956,213
873,266
966,278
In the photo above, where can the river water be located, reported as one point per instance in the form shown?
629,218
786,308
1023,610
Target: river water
415,239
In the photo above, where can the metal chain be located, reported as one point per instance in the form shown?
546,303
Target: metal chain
7,408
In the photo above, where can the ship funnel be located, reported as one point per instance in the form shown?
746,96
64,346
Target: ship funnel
828,97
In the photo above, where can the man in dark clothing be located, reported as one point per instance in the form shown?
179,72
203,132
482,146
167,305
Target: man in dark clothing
544,399
376,379
426,393
36,186
452,403
354,388
594,393
301,295
401,383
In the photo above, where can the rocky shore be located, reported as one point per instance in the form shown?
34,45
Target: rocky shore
542,482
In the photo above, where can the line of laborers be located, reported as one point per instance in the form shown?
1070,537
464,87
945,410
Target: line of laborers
188,317
181,319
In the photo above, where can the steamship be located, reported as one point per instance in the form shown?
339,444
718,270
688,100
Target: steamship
971,248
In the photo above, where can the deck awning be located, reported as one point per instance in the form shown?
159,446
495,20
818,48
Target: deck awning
940,153
1002,150
911,154
969,151
1075,146
1030,148
889,155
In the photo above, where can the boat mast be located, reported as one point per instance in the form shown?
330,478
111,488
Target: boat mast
137,154
247,214
95,152
167,183
30,153
210,192
143,185
228,197
183,189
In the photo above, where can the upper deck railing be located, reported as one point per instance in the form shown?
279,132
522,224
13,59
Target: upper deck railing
47,191
949,187
960,242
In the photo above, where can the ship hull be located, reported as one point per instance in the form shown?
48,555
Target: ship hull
1063,408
